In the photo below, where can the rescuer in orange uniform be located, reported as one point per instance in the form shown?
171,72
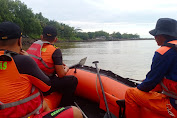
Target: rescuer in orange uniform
163,73
21,81
49,59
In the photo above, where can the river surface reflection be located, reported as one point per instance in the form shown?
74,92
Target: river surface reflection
130,59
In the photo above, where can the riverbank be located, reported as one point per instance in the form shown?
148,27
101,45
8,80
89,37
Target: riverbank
28,41
90,40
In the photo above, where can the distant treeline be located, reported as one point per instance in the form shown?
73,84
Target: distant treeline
102,35
32,24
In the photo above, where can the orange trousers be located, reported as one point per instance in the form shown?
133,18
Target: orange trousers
157,102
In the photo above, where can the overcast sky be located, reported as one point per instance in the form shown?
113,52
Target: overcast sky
124,16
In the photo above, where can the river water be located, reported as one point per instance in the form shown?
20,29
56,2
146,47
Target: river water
129,59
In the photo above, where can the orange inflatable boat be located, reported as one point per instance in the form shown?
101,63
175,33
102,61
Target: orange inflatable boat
89,93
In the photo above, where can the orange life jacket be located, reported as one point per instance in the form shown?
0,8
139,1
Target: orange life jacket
27,103
41,52
169,87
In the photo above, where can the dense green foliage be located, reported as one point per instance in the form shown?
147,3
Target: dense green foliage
17,12
106,36
118,35
32,24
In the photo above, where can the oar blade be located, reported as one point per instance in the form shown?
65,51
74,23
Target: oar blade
82,61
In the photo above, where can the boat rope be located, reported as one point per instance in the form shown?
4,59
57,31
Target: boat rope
127,81
80,109
97,86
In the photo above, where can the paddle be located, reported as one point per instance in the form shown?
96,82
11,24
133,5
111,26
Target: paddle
108,114
81,63
80,110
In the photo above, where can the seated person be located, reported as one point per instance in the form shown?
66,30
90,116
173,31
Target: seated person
49,60
21,80
163,72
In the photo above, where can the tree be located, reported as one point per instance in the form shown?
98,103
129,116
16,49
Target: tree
82,35
91,35
31,24
101,33
43,21
130,36
64,31
136,36
6,10
116,35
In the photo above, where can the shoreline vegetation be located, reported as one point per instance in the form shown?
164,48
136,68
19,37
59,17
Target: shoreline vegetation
32,24
28,41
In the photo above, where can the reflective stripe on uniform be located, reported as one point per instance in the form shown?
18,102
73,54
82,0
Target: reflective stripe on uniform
33,112
4,106
167,92
42,61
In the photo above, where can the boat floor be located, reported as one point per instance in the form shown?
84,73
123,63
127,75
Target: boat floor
91,109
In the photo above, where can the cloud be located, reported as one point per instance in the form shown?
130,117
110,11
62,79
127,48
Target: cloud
122,27
131,16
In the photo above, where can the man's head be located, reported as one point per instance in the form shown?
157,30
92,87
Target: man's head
166,29
49,33
10,34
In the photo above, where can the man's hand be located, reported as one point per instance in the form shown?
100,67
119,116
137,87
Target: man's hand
61,70
66,68
22,52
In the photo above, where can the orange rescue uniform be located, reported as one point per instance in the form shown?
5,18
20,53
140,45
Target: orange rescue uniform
41,52
16,87
163,103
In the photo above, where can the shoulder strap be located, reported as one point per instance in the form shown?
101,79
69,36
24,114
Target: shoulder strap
42,42
42,61
6,56
168,92
173,46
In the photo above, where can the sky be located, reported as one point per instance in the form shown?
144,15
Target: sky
124,16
